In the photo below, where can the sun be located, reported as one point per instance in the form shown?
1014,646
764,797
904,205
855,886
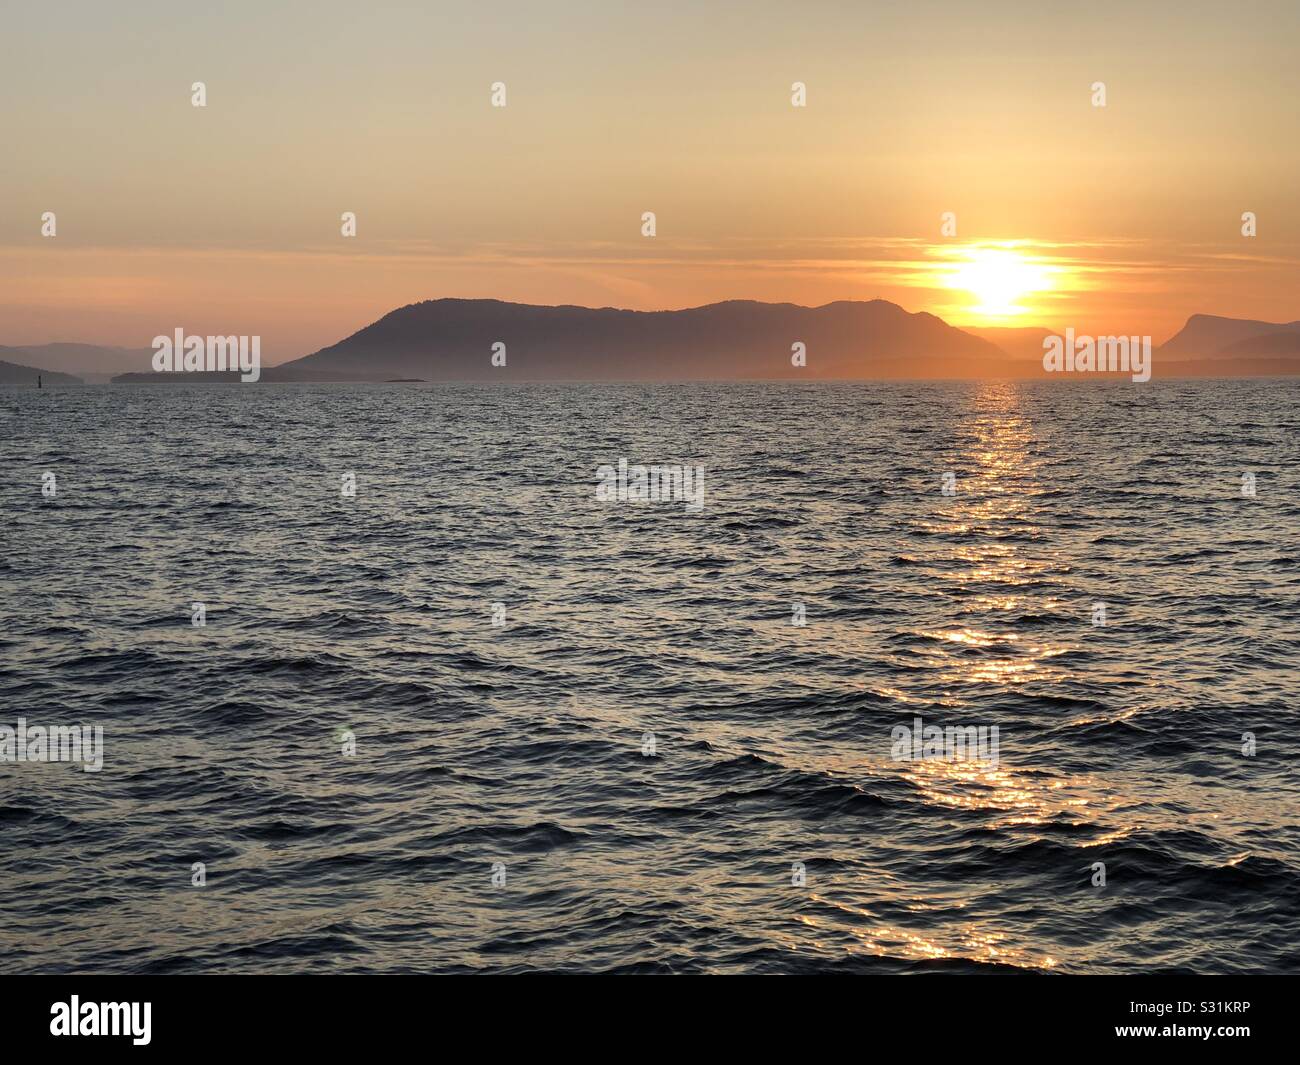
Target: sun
998,279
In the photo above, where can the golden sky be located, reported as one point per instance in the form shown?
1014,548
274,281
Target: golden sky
1117,219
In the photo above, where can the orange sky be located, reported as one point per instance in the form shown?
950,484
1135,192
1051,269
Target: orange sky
225,219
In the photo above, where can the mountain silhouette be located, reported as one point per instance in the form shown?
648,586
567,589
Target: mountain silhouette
1023,344
1213,346
12,373
1205,335
1281,344
452,339
94,363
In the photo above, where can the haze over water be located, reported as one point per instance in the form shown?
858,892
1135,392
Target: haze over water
522,744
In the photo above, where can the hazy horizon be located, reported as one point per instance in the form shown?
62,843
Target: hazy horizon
225,218
989,332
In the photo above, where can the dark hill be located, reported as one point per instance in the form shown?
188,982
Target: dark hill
452,339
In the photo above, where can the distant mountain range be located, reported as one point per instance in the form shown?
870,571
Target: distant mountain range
1211,346
13,374
452,340
449,339
455,340
1206,346
91,362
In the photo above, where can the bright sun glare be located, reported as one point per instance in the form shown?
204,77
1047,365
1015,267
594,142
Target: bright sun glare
998,278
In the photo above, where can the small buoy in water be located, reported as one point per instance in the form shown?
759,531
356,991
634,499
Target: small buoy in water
38,380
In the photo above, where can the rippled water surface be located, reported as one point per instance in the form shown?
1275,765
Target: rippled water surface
522,744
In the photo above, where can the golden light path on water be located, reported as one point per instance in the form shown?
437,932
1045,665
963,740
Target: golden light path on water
998,483
992,558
